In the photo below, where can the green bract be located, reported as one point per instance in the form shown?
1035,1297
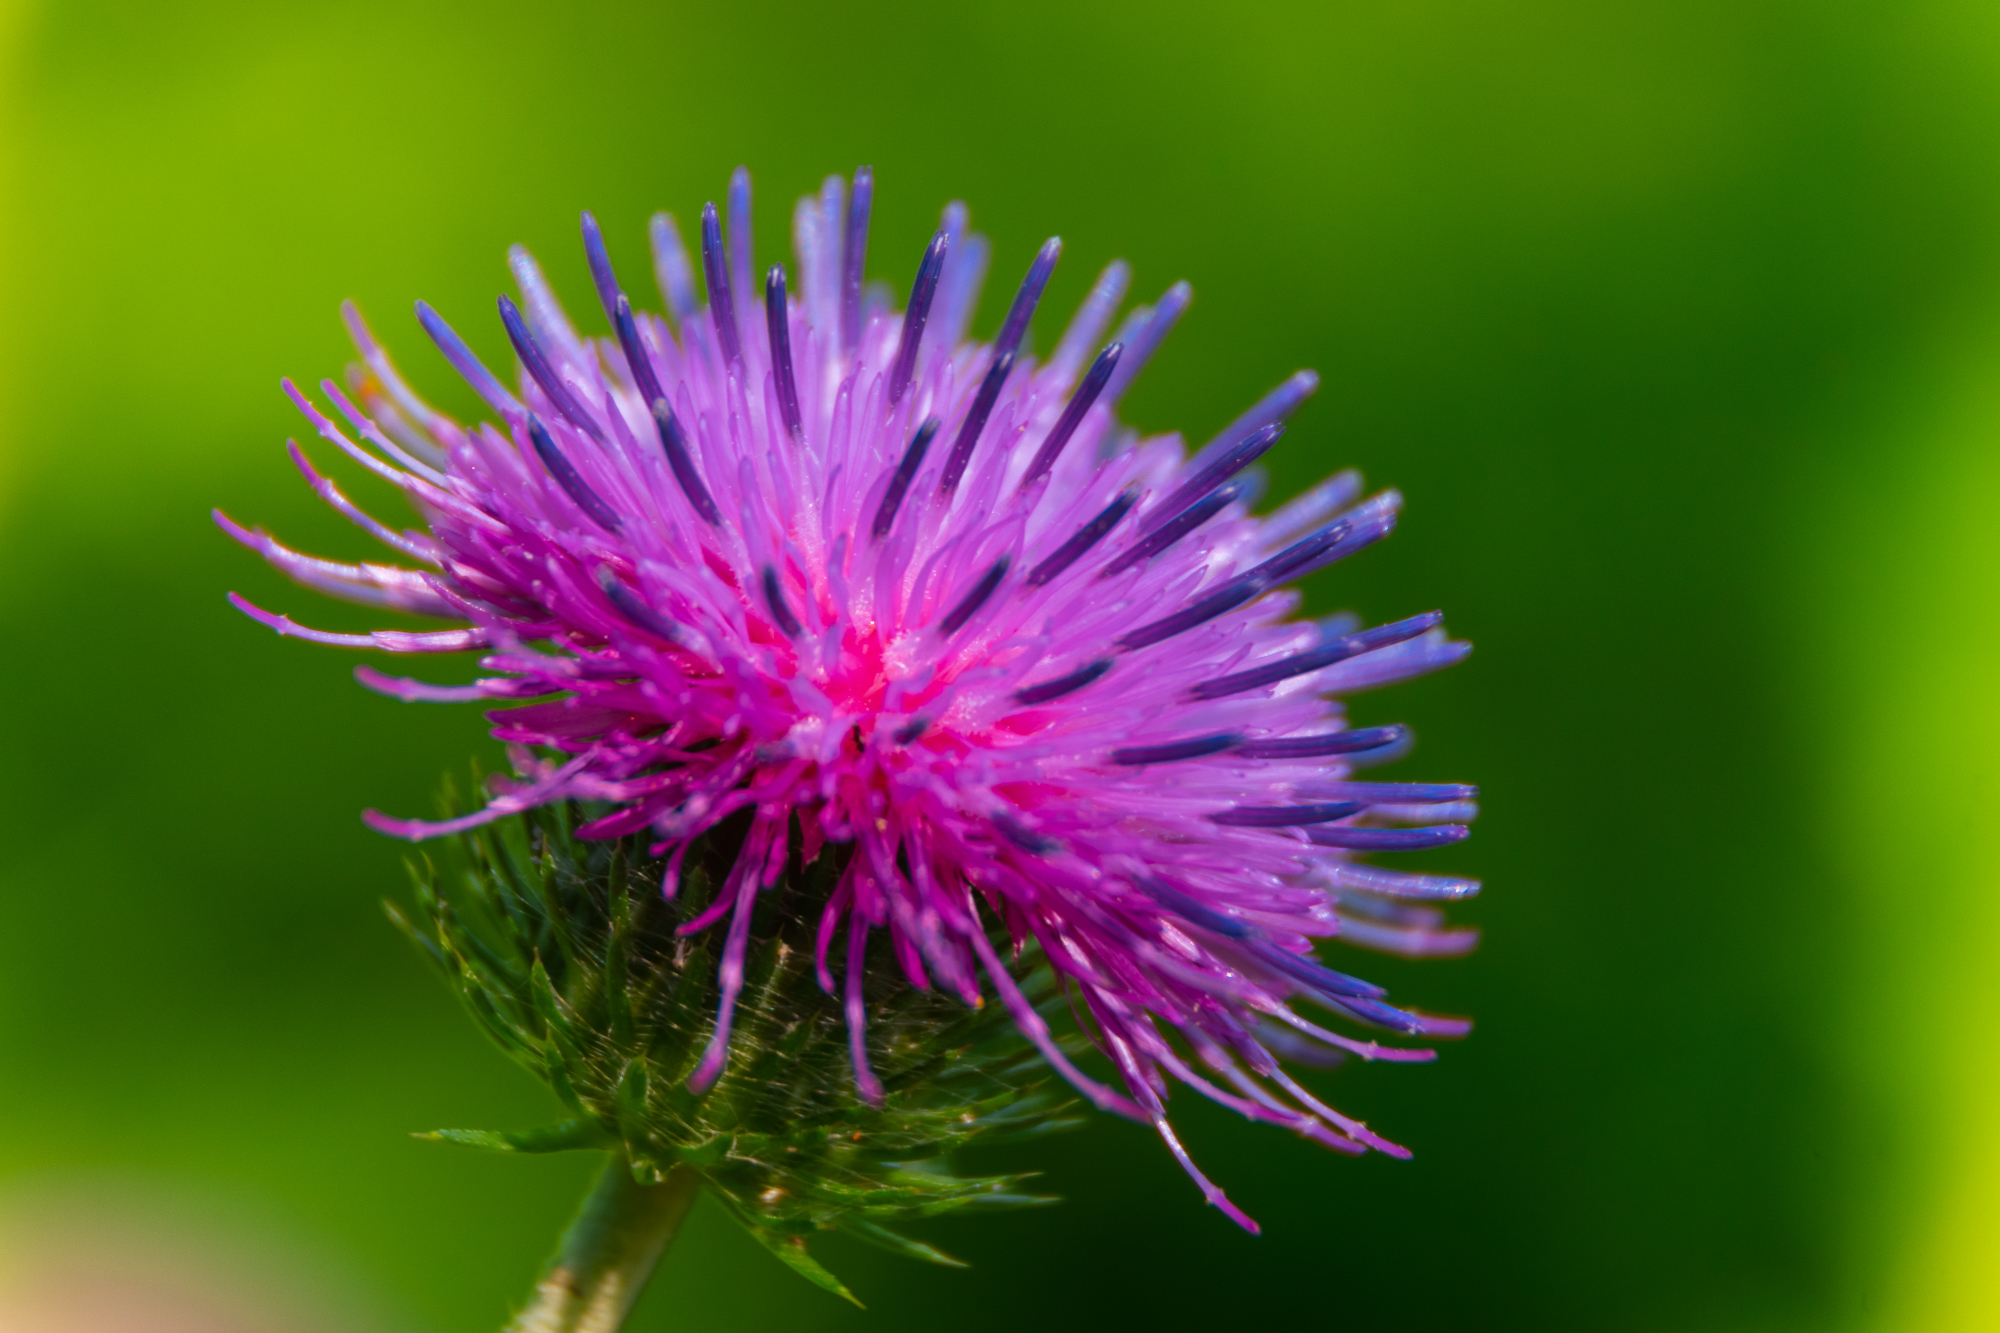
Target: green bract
566,952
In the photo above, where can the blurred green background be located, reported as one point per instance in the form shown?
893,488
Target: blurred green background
1676,320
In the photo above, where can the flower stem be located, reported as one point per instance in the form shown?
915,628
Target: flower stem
610,1249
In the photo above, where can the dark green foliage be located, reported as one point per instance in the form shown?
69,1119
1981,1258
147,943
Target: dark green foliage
566,952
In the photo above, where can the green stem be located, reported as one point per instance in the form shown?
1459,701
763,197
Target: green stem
609,1251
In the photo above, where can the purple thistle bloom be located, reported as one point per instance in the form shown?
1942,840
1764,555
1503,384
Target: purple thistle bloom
868,583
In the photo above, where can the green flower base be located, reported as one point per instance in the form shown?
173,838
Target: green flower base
566,952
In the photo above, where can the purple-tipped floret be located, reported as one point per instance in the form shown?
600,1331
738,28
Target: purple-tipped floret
1015,326
1391,839
674,444
544,375
975,423
1145,338
1251,448
968,605
1051,690
1315,747
742,258
777,320
469,367
1285,816
1083,539
634,609
900,479
1012,330
671,269
854,257
626,327
1317,659
715,274
599,260
1199,748
1080,402
918,314
571,481
781,612
1159,539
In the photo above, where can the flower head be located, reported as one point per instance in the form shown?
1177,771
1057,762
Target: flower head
881,593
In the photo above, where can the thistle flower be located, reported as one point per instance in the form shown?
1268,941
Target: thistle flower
920,609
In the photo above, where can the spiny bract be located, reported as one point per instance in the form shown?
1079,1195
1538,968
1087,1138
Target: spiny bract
569,958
